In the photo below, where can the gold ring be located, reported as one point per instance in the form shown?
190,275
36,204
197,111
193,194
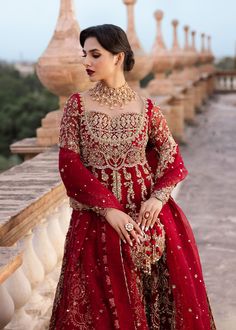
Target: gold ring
129,226
147,215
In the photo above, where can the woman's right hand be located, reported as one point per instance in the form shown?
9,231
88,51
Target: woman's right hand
118,219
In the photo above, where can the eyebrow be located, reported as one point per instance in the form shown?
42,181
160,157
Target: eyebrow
92,50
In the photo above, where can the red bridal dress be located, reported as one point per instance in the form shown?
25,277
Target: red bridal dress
119,162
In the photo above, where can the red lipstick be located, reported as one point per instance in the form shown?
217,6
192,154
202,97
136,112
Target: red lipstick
90,72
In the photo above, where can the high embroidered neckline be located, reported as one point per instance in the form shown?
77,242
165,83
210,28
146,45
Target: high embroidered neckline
113,117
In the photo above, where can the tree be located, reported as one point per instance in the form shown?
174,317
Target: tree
23,103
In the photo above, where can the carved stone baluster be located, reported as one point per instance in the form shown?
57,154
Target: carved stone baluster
34,271
64,217
44,248
7,307
55,234
19,288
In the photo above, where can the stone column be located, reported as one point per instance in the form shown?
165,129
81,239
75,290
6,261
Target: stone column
203,61
163,62
178,57
143,62
60,69
176,118
209,68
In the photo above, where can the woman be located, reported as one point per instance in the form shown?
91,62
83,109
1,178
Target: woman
130,259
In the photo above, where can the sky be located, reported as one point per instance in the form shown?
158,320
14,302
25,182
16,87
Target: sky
26,26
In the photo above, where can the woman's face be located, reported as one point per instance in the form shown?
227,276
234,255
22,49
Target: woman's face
100,64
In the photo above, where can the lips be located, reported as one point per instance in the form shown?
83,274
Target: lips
90,72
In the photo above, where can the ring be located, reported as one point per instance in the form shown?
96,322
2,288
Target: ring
129,226
147,215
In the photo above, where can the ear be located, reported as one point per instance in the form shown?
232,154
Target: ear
119,58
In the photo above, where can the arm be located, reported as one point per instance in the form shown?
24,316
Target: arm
170,168
81,185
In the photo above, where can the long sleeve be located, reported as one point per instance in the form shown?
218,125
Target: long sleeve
81,185
170,168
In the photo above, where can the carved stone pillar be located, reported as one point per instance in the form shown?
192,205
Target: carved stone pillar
143,62
163,63
60,69
176,118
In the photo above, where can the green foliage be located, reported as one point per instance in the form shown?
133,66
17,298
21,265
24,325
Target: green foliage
144,82
12,160
23,103
226,63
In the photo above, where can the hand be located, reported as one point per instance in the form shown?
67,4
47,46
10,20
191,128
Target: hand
151,207
118,219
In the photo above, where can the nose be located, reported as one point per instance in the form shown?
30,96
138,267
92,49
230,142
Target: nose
86,61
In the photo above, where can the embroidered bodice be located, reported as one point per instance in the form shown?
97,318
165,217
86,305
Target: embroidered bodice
114,149
113,142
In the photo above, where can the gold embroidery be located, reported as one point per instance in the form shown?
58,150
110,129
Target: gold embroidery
111,142
157,290
163,194
116,185
130,191
141,182
69,129
76,291
151,249
162,140
77,206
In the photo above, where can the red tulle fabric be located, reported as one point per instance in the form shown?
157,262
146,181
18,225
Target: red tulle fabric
98,269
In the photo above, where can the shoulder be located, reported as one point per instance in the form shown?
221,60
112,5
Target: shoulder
73,104
154,109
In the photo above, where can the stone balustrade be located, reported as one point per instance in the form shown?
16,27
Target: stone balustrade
34,219
226,81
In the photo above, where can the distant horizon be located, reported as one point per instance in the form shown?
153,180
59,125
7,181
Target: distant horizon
25,36
32,62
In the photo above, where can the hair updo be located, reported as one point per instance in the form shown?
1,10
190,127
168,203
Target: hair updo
113,39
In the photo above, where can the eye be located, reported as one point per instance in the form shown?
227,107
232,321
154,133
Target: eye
84,55
96,56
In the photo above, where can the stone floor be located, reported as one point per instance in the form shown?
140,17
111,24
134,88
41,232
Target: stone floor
208,198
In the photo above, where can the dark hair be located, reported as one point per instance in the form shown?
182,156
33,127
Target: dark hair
113,39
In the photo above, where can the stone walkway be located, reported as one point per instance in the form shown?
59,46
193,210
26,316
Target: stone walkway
208,198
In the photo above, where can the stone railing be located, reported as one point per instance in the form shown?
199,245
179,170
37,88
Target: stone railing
34,218
226,81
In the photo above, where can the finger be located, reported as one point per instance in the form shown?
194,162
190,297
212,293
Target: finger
135,224
126,235
149,221
145,220
140,217
153,222
135,236
121,235
154,219
155,216
137,228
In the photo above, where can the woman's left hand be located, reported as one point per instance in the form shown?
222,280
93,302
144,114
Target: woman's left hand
149,212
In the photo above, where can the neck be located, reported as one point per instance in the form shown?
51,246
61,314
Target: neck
115,81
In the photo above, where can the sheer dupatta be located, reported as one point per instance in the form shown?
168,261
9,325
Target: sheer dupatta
125,304
191,302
